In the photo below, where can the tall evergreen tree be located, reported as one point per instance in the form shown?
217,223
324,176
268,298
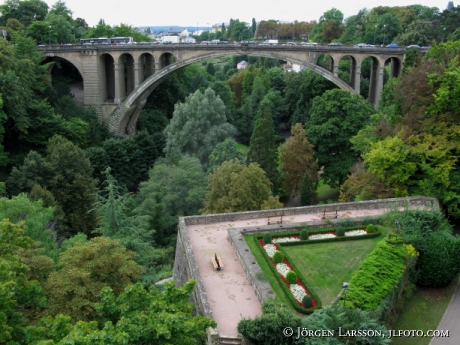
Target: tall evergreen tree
307,193
296,158
263,149
72,185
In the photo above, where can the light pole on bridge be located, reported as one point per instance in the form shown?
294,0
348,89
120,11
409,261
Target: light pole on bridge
49,35
374,33
443,31
384,32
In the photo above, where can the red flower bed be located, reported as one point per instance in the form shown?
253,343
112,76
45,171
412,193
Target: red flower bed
299,282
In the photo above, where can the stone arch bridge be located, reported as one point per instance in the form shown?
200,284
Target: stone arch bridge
118,79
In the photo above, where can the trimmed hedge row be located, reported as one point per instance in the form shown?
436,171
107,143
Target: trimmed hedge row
379,275
287,292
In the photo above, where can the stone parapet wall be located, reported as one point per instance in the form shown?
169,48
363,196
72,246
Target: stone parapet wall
414,201
185,268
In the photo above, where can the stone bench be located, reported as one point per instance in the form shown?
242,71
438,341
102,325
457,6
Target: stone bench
329,214
217,262
278,219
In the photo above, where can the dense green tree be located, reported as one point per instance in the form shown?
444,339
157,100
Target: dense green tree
86,268
224,151
18,293
307,192
34,170
118,221
341,322
61,28
263,148
267,329
301,89
335,117
210,68
175,188
226,95
72,185
131,318
125,30
37,220
197,126
246,115
26,11
417,33
101,30
296,159
234,187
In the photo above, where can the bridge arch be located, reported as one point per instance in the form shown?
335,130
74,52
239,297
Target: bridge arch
123,120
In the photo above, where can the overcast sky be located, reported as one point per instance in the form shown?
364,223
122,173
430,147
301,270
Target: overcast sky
202,12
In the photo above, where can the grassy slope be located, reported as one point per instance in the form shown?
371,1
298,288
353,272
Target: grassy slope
423,311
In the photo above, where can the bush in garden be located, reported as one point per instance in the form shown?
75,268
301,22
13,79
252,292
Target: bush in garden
267,238
370,228
307,302
304,234
340,231
291,277
278,257
439,264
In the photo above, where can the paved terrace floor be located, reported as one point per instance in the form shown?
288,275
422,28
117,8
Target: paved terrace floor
230,295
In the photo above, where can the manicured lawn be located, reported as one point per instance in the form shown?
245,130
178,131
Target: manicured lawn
423,311
326,193
326,265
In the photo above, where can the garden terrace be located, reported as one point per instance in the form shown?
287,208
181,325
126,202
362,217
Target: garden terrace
235,293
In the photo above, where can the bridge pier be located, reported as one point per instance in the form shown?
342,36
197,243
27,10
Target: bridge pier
118,82
356,78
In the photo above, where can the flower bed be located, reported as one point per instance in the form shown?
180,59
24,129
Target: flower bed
298,290
321,236
359,232
286,239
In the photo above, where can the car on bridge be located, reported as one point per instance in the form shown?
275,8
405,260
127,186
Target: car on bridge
413,46
364,45
392,45
335,44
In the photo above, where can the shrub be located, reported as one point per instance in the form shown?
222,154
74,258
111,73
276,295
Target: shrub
307,302
291,277
304,234
340,231
370,228
267,238
278,257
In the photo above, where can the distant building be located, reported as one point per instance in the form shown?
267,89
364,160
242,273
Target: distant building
182,32
190,40
218,27
242,65
450,5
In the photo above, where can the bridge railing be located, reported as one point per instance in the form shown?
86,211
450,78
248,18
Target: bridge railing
226,47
